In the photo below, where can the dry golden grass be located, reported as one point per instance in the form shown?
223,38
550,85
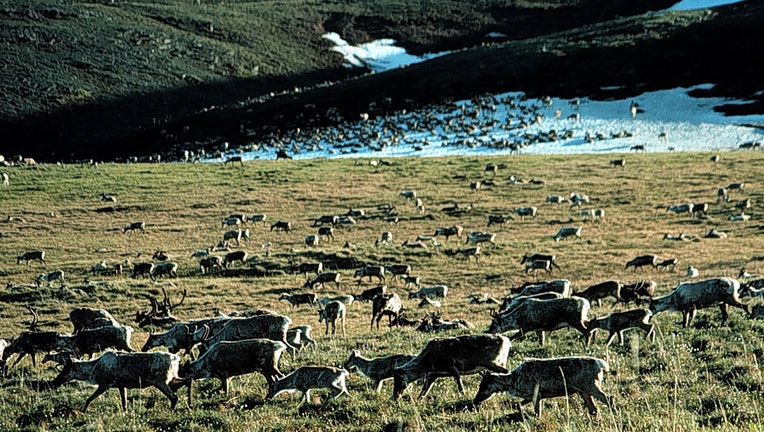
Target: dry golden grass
706,376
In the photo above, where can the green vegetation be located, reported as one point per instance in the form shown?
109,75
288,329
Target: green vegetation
700,378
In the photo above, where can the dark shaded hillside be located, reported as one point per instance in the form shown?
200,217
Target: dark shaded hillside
77,77
634,54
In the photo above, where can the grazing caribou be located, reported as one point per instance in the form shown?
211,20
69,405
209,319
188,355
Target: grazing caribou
284,226
88,342
233,160
688,297
642,261
123,371
478,237
295,300
535,266
308,267
431,291
48,278
465,253
525,211
533,315
84,318
31,256
141,269
617,322
385,304
272,327
610,288
540,257
236,235
209,263
227,359
232,257
566,232
133,226
371,271
452,356
499,219
323,278
369,294
398,270
537,379
454,230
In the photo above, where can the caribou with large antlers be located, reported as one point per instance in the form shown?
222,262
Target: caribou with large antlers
161,312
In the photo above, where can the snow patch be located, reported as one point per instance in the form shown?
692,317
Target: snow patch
379,55
671,120
700,4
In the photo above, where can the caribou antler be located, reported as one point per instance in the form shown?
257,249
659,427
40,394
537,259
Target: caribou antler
143,318
34,324
167,305
160,313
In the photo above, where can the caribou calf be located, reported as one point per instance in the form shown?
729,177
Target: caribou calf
333,312
379,369
305,378
305,337
617,322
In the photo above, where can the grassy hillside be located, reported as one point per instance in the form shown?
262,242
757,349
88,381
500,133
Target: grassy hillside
77,76
700,378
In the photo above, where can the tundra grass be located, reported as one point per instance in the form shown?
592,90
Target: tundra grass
705,377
